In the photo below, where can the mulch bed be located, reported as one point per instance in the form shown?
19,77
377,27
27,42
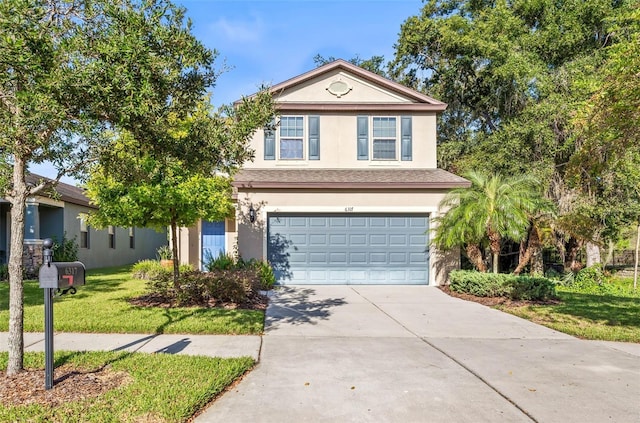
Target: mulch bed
496,301
70,384
255,302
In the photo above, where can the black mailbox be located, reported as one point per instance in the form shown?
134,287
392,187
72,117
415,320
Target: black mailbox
62,275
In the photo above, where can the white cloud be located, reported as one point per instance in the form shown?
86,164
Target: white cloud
239,31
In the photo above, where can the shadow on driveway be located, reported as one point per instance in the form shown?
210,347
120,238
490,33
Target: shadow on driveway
295,306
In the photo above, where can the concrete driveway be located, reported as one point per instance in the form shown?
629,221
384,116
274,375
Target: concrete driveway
414,354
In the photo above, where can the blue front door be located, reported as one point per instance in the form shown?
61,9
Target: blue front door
212,240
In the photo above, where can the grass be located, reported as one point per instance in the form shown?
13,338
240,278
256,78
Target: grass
163,387
608,313
101,306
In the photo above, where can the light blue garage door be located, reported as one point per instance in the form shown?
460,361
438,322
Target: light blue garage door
349,248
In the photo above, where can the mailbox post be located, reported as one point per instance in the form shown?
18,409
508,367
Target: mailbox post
63,277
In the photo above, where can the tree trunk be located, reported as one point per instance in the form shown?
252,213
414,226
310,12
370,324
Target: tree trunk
611,246
475,255
593,254
571,264
174,253
16,288
525,253
494,245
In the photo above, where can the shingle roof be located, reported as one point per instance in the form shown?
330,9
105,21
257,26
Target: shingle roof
65,192
348,179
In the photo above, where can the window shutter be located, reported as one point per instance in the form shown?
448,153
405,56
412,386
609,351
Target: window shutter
270,142
405,138
314,137
363,138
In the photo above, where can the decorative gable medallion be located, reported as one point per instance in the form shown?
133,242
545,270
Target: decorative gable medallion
339,88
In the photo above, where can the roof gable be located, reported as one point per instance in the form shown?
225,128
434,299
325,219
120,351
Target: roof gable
340,85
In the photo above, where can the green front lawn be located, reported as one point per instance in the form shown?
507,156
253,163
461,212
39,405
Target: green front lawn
160,387
101,306
610,315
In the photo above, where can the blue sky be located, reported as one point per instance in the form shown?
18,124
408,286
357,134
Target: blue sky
267,42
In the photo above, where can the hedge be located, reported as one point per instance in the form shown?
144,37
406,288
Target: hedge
501,285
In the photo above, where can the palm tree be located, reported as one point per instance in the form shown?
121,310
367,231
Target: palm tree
494,208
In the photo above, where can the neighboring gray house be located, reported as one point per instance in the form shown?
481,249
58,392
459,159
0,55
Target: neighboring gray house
59,214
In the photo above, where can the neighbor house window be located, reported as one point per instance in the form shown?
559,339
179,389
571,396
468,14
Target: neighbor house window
292,137
384,138
112,237
84,233
132,237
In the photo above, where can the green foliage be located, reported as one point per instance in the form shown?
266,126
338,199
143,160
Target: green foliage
540,87
495,207
222,262
151,393
267,277
149,269
72,69
164,253
202,288
589,276
225,262
501,285
375,64
104,303
4,272
67,250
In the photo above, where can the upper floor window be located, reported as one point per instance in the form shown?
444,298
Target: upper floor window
382,140
294,138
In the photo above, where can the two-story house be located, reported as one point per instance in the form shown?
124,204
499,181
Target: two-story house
343,190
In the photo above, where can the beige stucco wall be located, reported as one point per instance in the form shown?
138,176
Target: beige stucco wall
362,91
338,144
252,237
190,243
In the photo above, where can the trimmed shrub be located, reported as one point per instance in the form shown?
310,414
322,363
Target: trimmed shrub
222,262
501,285
148,269
225,262
196,287
589,277
267,277
66,250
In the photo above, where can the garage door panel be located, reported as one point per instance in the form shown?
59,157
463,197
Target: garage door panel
378,222
337,222
358,240
398,258
299,222
398,240
338,258
357,259
348,249
318,239
377,240
317,258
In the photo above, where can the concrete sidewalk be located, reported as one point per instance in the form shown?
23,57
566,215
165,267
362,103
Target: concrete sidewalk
207,345
414,354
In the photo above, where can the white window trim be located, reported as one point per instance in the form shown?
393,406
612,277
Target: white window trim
305,130
396,140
